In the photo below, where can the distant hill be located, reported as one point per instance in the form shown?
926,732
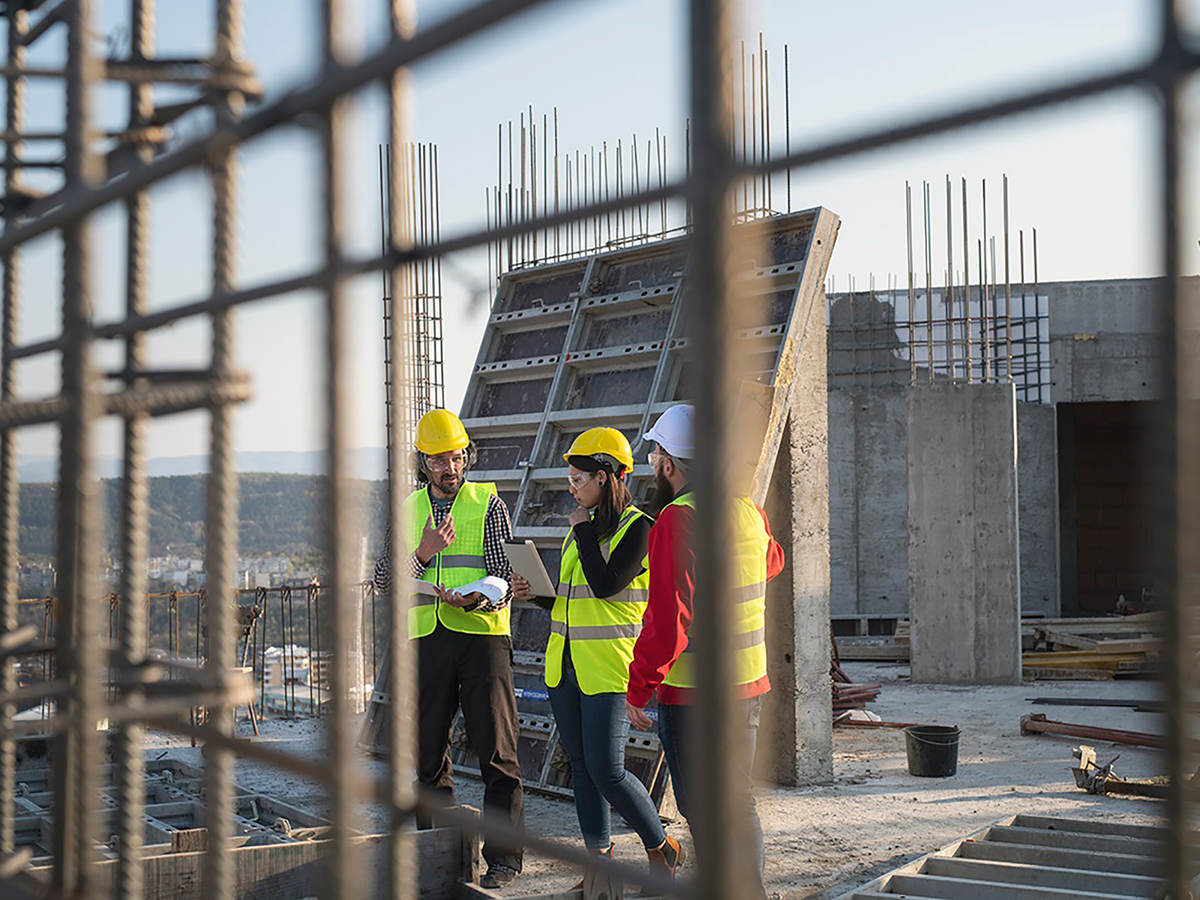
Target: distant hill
369,463
278,514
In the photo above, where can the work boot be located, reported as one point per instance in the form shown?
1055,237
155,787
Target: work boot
608,853
667,857
498,876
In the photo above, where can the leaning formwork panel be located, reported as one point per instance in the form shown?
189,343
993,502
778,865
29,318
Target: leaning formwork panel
602,340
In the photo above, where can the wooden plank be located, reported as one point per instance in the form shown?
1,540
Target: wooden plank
1092,826
1064,639
1061,857
1035,673
1130,645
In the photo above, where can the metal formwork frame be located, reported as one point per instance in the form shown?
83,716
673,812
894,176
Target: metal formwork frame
81,403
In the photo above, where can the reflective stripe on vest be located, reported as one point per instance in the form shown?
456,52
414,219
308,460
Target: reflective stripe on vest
460,563
749,574
601,631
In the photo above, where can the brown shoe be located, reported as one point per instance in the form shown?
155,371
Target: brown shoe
608,853
666,858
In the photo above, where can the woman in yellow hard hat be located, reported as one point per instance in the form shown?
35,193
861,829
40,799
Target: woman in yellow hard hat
594,623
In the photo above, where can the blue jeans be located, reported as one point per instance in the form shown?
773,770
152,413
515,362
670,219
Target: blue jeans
674,723
593,729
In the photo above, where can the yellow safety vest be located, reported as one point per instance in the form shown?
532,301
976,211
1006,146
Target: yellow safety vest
602,632
749,560
460,563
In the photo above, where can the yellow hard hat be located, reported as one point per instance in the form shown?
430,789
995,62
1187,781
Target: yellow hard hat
440,431
606,441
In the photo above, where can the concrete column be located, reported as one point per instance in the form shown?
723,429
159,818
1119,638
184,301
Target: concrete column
796,733
964,581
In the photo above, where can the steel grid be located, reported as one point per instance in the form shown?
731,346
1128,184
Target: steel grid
704,188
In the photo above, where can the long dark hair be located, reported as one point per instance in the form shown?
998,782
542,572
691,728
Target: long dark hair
614,498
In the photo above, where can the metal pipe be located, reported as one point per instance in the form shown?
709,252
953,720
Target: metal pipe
14,119
222,512
725,862
77,750
135,488
340,534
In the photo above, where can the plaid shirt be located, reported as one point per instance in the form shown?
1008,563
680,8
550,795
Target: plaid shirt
497,528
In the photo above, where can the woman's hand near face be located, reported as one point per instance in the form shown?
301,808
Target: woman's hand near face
578,516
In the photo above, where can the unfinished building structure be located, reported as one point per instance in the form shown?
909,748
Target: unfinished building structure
1083,405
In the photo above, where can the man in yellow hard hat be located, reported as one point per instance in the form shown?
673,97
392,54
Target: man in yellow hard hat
455,535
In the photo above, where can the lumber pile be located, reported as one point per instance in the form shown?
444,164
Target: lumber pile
1096,649
847,694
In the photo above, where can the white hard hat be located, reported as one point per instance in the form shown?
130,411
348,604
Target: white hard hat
673,431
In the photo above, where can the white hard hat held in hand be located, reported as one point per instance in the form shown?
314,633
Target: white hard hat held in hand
673,431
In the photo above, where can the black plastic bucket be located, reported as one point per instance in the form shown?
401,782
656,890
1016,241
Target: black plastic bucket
932,750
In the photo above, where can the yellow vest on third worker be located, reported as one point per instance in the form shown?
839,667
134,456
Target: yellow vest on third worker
601,632
749,561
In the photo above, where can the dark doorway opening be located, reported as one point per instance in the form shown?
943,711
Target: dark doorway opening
1106,525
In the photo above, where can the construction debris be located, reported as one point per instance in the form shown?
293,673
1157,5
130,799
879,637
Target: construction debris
1095,649
1096,779
1039,724
1034,856
846,694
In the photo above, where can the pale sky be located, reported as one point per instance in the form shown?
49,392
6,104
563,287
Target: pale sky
1084,175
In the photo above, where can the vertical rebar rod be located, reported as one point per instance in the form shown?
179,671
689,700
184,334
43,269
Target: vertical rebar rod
340,535
1007,289
725,862
928,283
745,155
1024,319
14,121
608,224
557,228
753,135
985,298
533,192
948,300
912,290
545,182
77,638
523,193
1037,310
970,350
766,83
787,122
135,487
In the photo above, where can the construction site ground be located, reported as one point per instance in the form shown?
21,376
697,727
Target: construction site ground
825,839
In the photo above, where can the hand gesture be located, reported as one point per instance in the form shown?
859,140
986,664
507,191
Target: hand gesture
578,516
454,598
638,717
435,539
520,587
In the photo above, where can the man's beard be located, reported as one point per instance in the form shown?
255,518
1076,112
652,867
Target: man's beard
448,483
662,494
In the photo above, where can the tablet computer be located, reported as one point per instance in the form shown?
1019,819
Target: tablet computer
527,563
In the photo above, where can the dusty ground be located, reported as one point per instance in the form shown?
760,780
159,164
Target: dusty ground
875,816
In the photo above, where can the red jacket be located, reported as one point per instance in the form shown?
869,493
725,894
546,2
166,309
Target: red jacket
669,611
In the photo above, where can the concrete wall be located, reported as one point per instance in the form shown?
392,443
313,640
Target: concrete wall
868,503
1037,493
868,500
796,732
963,535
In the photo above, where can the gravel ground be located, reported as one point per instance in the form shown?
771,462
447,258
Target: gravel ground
874,816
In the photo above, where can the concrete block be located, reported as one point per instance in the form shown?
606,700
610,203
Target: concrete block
964,582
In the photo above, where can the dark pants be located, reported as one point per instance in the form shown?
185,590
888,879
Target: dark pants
474,671
593,729
674,723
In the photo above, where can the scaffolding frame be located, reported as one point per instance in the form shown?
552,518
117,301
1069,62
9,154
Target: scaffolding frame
80,404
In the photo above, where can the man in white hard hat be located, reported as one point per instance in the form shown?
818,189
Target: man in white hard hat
662,660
